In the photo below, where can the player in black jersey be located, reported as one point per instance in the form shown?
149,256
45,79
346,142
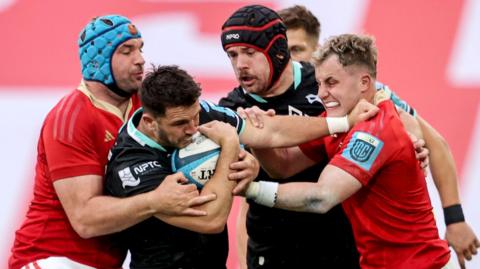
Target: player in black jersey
140,161
279,238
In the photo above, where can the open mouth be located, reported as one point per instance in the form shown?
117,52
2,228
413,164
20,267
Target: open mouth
331,104
247,80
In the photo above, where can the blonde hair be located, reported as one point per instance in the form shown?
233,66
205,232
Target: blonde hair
351,49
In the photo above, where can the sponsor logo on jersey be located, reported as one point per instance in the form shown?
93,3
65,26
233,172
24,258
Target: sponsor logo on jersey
108,136
363,149
127,178
141,168
232,36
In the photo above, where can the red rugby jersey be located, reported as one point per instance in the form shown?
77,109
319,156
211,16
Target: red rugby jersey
75,139
391,215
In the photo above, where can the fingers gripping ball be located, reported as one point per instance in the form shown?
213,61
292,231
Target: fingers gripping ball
197,161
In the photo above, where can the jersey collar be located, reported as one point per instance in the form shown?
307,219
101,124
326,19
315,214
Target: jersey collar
297,79
138,136
104,105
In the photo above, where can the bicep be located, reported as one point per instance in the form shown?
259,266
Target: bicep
74,192
338,184
333,187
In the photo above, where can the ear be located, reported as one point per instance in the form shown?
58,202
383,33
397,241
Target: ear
149,121
365,82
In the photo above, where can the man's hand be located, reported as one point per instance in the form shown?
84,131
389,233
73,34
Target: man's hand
421,152
463,240
246,170
176,198
255,115
362,111
220,132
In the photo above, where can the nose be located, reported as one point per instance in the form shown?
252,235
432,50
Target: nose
242,62
322,92
191,128
139,58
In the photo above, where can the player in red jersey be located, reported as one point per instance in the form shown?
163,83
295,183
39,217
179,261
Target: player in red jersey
68,213
303,31
372,170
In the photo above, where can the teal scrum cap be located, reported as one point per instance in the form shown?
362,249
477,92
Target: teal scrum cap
97,43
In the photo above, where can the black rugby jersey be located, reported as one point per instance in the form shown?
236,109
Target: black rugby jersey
137,165
286,239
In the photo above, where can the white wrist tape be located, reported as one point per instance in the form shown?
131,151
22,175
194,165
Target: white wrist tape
263,192
337,124
252,190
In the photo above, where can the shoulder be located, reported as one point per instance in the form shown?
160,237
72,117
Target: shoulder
385,127
215,110
234,99
308,82
72,115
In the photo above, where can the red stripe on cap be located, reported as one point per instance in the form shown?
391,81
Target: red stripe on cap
252,28
36,266
243,45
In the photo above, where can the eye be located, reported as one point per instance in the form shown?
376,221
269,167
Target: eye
231,55
250,52
295,49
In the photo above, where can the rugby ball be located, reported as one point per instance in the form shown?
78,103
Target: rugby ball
197,161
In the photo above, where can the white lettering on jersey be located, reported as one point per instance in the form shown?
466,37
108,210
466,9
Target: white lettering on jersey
139,169
312,98
293,111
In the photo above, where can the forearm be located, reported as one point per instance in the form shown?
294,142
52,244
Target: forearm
333,187
303,197
285,131
105,215
217,210
442,165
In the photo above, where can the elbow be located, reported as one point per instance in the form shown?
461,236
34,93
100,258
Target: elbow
324,208
318,206
213,226
320,202
84,231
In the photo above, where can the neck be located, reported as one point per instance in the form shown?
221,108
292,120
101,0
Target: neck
283,83
369,94
143,128
101,92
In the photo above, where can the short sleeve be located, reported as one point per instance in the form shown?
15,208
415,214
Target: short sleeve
135,171
367,148
211,112
70,147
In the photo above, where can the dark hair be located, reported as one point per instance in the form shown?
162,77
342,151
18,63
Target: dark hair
351,50
168,86
299,17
